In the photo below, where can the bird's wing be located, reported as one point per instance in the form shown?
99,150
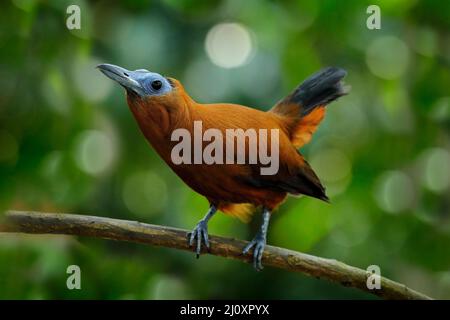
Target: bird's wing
295,176
303,109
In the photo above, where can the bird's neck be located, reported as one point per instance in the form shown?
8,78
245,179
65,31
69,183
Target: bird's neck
159,116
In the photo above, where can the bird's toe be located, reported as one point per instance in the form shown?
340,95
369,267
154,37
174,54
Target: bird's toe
258,244
257,255
248,246
191,237
199,234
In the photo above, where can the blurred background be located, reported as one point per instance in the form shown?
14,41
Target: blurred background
68,142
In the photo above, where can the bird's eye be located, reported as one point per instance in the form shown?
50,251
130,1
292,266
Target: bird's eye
156,84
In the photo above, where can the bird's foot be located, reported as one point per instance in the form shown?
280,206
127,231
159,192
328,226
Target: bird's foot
259,242
200,233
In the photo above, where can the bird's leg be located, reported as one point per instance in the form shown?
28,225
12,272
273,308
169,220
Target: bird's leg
259,241
201,231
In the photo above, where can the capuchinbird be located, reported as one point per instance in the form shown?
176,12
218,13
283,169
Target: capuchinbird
161,105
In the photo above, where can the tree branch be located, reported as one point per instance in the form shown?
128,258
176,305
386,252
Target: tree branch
132,231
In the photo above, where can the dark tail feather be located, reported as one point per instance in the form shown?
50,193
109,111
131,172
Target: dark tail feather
320,89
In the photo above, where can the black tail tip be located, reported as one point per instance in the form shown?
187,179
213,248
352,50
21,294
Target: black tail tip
321,88
335,75
337,72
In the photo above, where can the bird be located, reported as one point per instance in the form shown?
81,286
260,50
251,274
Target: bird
161,106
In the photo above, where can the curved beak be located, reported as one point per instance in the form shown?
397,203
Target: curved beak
127,79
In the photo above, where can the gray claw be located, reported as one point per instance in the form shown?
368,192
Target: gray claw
259,242
200,233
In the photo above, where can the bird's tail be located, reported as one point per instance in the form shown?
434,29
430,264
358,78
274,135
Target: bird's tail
304,108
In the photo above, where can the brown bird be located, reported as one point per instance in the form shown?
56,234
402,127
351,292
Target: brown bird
162,108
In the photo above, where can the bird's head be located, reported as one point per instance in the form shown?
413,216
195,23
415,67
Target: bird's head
151,97
139,83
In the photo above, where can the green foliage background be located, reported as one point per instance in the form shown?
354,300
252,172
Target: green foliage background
68,143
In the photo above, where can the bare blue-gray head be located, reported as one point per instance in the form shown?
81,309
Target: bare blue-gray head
141,82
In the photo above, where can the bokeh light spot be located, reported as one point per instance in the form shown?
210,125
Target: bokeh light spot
144,193
426,43
331,165
229,45
144,42
334,169
440,111
249,77
55,92
52,164
206,82
89,82
168,287
394,192
436,173
95,152
387,57
352,225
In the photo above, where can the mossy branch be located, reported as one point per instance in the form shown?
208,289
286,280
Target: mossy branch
132,231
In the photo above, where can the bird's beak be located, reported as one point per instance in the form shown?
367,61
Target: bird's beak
127,79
